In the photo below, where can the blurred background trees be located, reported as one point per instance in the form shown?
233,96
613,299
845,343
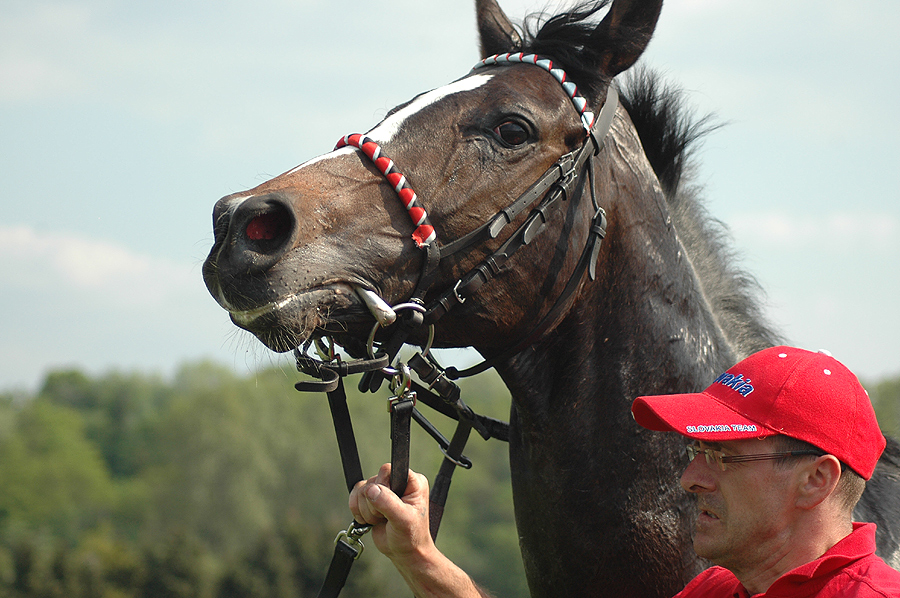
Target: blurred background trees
211,485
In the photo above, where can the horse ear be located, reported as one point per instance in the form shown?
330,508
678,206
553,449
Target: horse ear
625,32
498,35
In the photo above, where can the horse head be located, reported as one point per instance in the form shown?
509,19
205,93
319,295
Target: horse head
291,255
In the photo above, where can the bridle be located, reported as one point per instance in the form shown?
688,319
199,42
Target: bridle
552,189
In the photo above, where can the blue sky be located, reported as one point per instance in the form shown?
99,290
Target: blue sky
121,123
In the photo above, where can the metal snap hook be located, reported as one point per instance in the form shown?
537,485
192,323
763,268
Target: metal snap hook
401,381
352,537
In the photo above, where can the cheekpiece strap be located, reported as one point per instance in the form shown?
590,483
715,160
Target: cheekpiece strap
581,105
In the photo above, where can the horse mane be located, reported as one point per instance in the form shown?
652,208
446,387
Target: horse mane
573,39
669,133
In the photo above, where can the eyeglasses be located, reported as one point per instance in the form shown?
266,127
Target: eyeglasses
720,458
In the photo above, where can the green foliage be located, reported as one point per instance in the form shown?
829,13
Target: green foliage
52,476
212,485
886,399
118,411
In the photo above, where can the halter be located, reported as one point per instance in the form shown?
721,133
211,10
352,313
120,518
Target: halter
554,186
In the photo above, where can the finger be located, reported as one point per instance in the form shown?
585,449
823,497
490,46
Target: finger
398,509
361,508
373,501
379,498
407,530
416,482
384,475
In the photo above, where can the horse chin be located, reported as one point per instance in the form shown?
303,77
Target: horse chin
286,323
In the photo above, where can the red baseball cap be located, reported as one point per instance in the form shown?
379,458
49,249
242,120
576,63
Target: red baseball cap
782,390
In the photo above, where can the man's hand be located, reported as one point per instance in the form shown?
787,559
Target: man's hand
401,531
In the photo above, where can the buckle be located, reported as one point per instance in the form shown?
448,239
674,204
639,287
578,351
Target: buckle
407,396
456,294
566,167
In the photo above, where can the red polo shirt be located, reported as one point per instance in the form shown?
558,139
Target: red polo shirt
849,569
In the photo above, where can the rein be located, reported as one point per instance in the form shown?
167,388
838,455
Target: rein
551,189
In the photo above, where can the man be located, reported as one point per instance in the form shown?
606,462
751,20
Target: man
782,445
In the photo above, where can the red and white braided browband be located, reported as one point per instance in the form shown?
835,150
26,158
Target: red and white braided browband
581,105
424,233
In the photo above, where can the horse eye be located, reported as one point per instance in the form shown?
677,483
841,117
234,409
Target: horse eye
511,133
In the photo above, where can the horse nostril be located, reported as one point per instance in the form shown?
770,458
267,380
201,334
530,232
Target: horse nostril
267,227
258,232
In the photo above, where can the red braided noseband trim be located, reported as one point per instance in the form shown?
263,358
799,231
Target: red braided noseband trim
581,105
424,233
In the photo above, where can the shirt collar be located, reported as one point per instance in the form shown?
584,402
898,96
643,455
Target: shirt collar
858,544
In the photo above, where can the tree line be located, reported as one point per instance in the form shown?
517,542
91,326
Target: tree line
213,485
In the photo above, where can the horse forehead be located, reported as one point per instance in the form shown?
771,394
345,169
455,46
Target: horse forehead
389,127
518,80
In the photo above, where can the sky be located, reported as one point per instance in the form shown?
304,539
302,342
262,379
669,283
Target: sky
122,122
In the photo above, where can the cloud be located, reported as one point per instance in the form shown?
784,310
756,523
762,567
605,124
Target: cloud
108,273
832,231
72,301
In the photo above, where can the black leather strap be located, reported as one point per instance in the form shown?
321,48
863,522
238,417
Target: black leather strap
343,431
401,416
346,549
448,401
328,373
453,457
347,546
339,569
585,262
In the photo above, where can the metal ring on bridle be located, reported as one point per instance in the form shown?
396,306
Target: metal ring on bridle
370,344
325,351
464,462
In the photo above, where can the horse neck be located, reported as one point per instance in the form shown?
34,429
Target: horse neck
578,459
646,325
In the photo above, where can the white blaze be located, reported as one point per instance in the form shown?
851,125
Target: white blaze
385,131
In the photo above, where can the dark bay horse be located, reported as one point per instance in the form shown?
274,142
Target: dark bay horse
575,328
